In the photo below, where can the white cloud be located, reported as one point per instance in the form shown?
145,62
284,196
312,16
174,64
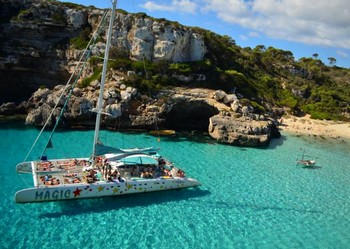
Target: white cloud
184,6
254,34
152,6
249,35
342,54
243,37
315,22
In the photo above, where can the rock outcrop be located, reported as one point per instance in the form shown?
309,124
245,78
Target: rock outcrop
177,109
155,40
241,131
34,36
237,124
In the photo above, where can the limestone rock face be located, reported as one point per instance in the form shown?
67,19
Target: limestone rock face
176,109
41,114
242,131
36,48
76,18
155,41
115,110
81,107
34,35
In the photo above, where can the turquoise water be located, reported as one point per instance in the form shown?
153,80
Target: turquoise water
250,198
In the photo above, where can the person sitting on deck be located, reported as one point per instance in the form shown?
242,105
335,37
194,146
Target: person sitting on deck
167,173
108,169
180,173
45,166
55,181
51,181
115,173
76,180
91,176
120,179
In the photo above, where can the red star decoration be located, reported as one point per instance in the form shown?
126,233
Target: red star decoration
77,192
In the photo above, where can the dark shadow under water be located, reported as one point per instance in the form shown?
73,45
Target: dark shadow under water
97,205
257,207
311,167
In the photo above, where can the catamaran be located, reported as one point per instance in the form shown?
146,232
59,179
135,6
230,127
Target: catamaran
119,172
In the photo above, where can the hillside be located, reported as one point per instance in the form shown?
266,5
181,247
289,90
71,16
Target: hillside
41,41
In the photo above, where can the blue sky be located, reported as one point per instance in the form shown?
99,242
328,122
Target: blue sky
304,27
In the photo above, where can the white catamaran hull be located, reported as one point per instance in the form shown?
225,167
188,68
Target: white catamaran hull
101,189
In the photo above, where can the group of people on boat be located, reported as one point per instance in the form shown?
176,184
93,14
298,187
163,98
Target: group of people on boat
72,163
49,180
72,178
45,166
105,172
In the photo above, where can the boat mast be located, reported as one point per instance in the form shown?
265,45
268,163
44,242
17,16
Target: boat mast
103,79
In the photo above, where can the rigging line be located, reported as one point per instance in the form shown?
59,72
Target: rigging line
67,100
103,58
65,105
93,39
104,135
23,180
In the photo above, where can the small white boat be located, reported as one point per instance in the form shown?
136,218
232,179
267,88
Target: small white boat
124,171
306,162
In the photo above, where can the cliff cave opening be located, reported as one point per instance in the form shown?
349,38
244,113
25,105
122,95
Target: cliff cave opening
190,115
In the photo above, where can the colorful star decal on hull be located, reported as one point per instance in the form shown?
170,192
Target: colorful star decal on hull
100,188
77,192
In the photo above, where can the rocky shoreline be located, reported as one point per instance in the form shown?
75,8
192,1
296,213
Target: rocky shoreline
49,57
220,115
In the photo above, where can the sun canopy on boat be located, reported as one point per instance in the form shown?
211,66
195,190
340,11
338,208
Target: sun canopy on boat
110,151
138,159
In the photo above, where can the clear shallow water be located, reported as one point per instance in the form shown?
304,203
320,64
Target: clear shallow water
250,198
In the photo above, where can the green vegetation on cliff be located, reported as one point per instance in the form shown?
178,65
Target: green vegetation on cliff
267,76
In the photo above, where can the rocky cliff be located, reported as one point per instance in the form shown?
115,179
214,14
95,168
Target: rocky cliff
32,49
35,42
156,40
177,109
37,56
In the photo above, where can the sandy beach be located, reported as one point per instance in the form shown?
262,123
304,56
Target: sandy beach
317,128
